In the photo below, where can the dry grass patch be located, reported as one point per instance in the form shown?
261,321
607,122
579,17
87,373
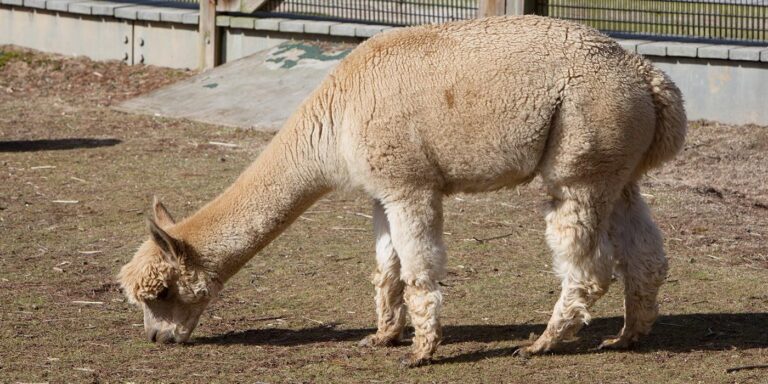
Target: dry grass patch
77,179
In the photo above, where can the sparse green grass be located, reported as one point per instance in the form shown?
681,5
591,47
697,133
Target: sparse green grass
296,311
5,57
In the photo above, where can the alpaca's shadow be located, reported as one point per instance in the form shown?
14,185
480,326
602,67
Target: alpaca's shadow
676,333
330,333
54,144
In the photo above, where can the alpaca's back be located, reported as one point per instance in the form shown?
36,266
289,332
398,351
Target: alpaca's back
471,106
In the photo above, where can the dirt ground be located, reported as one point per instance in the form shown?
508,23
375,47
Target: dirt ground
76,180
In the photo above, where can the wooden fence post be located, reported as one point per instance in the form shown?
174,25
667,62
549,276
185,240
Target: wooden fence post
209,39
487,8
521,7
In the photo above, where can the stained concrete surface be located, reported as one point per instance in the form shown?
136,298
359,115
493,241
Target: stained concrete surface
259,91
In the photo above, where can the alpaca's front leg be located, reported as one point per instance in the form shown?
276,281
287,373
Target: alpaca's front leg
424,301
390,310
416,224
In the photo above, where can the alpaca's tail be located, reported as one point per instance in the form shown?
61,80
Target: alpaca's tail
671,122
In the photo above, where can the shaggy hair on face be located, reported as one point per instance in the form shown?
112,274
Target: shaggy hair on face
146,275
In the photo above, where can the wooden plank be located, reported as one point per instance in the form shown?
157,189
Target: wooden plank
491,8
173,15
96,8
60,5
209,39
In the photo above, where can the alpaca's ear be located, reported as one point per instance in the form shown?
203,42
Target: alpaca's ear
172,248
162,217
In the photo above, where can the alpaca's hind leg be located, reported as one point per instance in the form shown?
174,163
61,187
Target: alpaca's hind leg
390,310
416,225
577,233
642,265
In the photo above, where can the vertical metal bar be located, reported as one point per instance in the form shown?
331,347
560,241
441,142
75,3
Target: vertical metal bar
763,22
699,21
675,19
752,26
724,10
741,18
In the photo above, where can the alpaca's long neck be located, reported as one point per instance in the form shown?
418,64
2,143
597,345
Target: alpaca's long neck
282,183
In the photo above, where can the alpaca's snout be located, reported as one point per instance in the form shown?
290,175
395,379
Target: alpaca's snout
161,327
165,337
156,335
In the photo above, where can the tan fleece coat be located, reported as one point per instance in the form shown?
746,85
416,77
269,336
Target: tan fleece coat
417,113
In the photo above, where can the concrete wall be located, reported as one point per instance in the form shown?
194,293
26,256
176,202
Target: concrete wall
101,37
134,34
238,43
726,83
67,34
165,44
727,91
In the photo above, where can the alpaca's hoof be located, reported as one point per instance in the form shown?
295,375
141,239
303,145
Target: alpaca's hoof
368,341
616,343
537,348
526,353
376,341
411,361
522,352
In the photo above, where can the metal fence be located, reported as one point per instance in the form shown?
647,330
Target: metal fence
387,12
738,20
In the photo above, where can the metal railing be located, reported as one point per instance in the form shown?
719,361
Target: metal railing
737,20
387,12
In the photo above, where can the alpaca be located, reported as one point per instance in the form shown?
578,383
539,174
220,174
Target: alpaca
416,114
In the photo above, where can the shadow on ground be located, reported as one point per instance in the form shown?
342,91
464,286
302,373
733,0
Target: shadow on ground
54,144
675,333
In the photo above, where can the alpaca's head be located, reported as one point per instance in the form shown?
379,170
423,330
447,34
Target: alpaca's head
165,279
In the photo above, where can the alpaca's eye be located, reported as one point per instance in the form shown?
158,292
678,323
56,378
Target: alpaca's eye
163,294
